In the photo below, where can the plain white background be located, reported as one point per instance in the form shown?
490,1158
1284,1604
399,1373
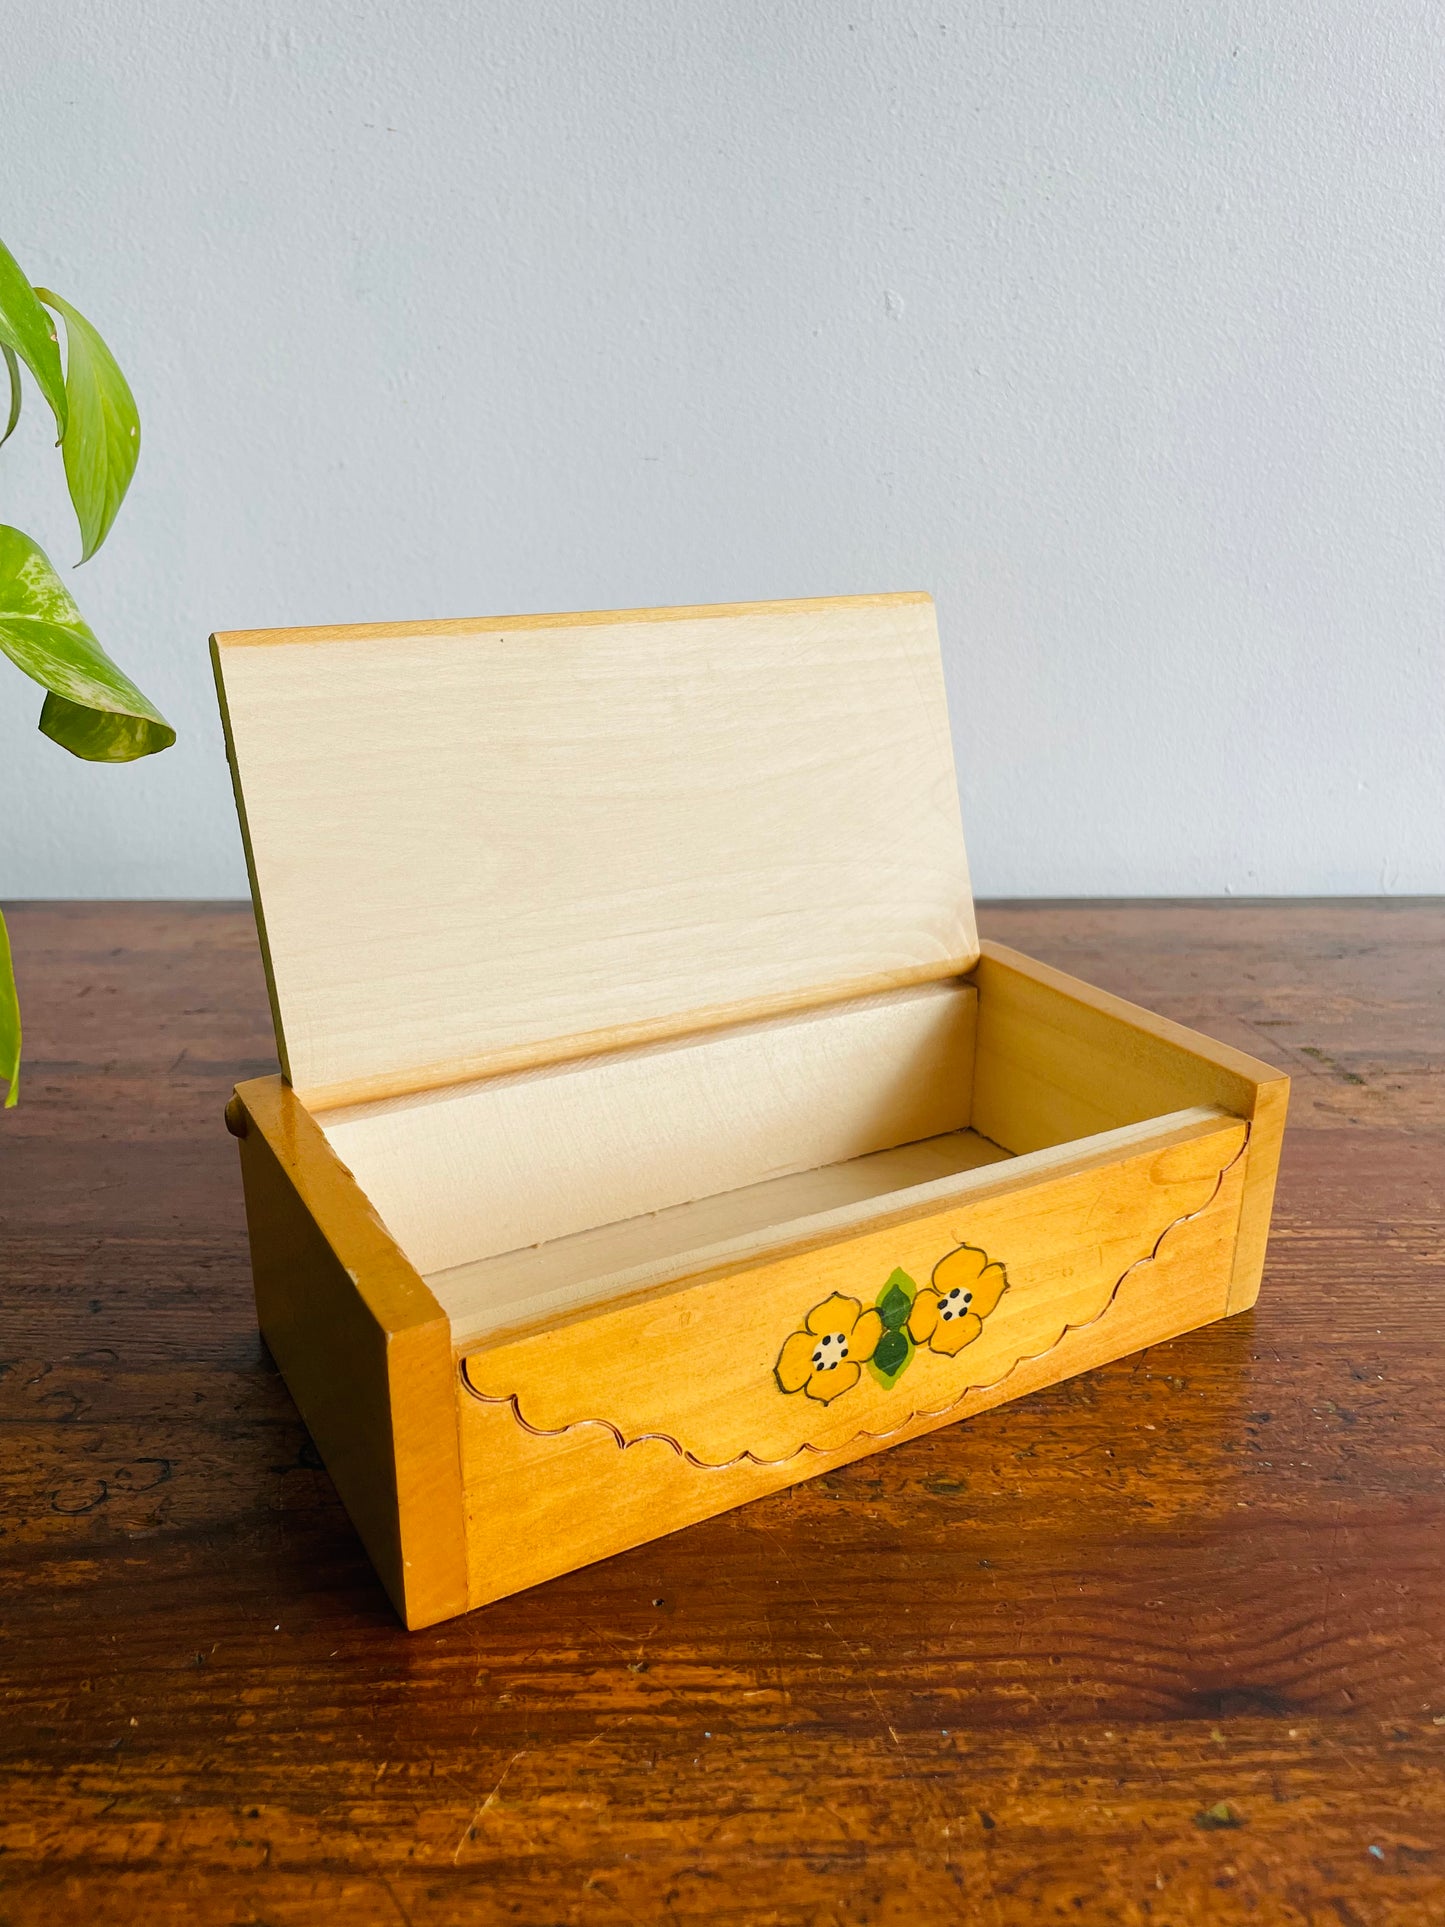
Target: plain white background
1116,324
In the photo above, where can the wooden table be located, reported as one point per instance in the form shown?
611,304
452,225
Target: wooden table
1162,1645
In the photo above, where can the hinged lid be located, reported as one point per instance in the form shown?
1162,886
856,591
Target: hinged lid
479,845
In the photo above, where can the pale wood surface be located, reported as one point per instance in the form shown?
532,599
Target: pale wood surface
1057,1057
477,843
1058,1060
695,1359
364,1347
518,1286
994,1674
648,1484
766,1221
491,1167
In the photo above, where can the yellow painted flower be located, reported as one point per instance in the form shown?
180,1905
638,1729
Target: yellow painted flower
949,1313
826,1357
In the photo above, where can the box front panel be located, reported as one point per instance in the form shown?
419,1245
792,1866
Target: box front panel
585,1439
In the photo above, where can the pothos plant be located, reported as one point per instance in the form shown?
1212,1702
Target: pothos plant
91,707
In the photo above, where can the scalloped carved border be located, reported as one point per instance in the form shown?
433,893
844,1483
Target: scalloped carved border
622,1442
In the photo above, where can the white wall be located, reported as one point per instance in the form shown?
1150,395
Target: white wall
1116,323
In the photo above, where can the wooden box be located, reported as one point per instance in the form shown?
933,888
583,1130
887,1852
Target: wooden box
654,1131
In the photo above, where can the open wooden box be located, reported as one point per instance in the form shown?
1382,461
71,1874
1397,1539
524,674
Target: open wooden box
654,1132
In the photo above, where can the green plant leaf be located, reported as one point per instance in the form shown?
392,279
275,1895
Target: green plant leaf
93,709
9,1022
102,440
12,368
28,329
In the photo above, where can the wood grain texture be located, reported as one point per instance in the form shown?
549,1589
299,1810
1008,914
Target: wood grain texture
494,1166
1058,1057
1109,1255
518,1286
997,1673
694,1357
364,1347
480,845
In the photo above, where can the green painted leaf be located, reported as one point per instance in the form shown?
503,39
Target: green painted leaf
9,1022
892,1353
28,329
93,709
893,1308
895,1300
102,441
12,368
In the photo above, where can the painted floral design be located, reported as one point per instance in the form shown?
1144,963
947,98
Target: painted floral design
839,1338
949,1313
827,1357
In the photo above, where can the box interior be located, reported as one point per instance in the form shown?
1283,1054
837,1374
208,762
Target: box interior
523,1196
603,944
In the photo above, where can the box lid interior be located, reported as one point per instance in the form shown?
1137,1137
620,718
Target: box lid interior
478,845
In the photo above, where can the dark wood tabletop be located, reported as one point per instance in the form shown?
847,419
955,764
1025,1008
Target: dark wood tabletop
1163,1645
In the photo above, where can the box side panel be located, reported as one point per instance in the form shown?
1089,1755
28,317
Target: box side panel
583,1489
1057,1059
544,1504
1266,1137
370,1368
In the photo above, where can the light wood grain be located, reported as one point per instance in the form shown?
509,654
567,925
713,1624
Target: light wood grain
474,844
518,1287
694,1357
363,1346
765,1221
506,1162
1100,1262
434,627
1057,1058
